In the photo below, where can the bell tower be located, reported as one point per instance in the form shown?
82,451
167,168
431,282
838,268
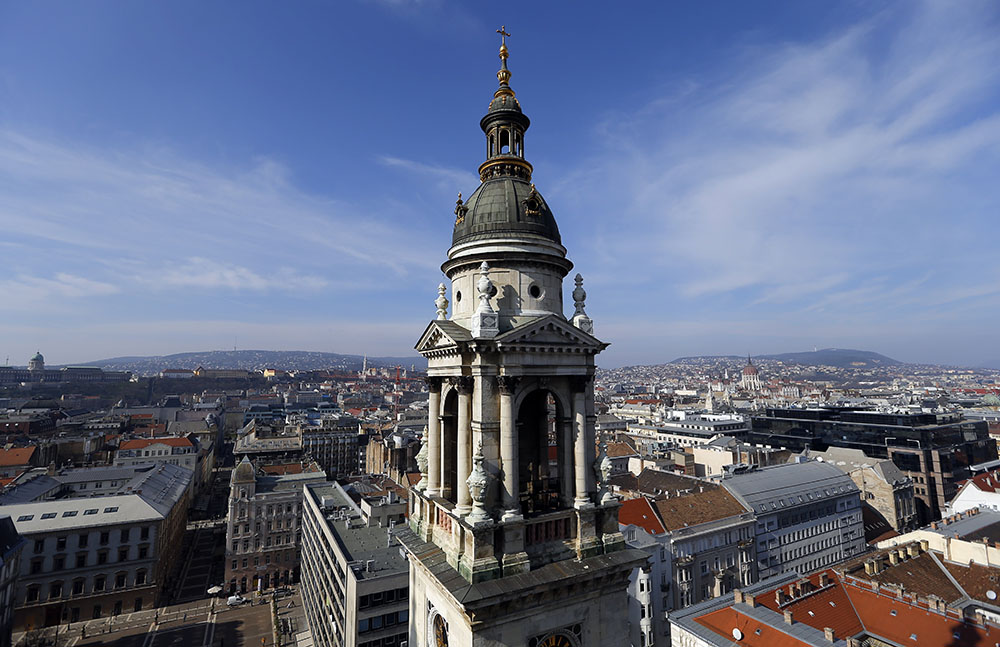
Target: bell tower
513,536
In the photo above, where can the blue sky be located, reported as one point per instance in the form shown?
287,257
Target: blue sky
729,177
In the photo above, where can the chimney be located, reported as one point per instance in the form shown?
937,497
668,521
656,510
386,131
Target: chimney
824,579
853,642
934,525
870,567
737,596
749,600
925,545
788,617
913,549
893,557
829,635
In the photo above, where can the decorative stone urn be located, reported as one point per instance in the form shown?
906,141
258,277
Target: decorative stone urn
479,483
422,464
602,470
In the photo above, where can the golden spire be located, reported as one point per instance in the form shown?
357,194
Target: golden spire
503,76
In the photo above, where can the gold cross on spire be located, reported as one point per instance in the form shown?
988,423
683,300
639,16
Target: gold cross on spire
503,35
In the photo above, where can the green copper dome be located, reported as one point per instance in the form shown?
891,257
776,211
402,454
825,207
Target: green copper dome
37,357
506,206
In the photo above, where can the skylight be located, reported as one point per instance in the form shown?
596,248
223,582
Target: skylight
111,509
26,517
49,515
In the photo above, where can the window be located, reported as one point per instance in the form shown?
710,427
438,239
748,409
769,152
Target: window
26,517
111,509
39,545
32,594
124,536
70,513
140,577
77,586
82,540
81,560
99,583
55,590
58,563
105,537
144,533
36,566
143,551
119,580
89,511
49,515
60,543
123,554
102,557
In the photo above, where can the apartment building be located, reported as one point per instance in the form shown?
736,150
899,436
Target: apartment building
355,578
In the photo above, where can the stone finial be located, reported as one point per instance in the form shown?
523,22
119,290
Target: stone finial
580,318
422,463
478,482
485,321
442,302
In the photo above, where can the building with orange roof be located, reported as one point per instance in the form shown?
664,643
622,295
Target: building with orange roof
829,608
15,460
700,540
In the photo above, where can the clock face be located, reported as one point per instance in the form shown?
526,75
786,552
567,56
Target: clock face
556,640
440,632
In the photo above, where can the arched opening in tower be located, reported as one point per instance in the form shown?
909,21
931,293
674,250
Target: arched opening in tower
449,447
539,453
504,142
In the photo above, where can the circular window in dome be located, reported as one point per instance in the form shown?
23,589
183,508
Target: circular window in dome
535,291
458,297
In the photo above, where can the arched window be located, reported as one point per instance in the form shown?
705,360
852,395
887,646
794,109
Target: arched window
140,576
32,594
504,141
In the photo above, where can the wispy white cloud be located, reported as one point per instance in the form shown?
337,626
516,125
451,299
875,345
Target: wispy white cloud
445,178
27,292
81,206
827,174
204,273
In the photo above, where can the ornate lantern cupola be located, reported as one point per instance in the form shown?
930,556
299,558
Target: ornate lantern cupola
504,126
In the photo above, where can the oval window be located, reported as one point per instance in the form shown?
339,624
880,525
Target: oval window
458,297
535,291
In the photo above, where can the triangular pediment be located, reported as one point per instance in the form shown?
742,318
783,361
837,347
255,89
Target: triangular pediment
441,334
551,330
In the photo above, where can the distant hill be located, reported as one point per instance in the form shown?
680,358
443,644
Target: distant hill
837,357
251,360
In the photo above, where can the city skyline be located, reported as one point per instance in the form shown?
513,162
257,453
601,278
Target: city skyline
178,177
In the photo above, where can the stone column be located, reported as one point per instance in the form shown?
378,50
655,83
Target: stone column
508,447
434,443
566,459
464,437
581,463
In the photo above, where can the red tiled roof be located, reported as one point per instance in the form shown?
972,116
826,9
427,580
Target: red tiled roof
849,608
830,607
142,443
986,482
638,512
755,633
16,456
913,624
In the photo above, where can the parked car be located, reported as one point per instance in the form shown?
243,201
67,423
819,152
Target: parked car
235,600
